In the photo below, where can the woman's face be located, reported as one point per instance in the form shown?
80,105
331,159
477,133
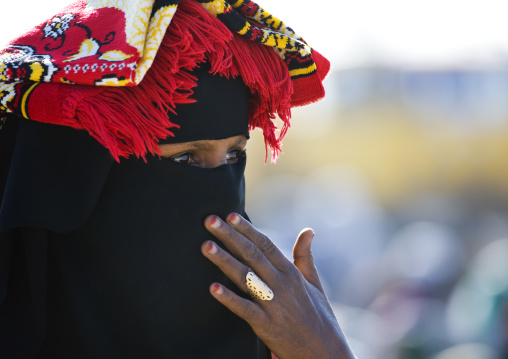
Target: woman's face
206,153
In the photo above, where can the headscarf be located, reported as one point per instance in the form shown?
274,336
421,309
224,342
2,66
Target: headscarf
82,67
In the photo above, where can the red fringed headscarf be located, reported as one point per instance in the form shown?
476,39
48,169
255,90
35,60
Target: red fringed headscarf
130,120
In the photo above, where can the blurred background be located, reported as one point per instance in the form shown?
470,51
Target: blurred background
402,171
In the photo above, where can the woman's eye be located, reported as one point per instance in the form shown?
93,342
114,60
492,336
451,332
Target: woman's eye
234,155
182,158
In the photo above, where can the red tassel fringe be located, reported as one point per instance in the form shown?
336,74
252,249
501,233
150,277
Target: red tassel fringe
131,120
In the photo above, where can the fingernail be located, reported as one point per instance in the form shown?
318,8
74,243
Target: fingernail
233,218
211,248
213,222
216,289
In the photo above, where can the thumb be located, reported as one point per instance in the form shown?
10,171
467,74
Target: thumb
303,260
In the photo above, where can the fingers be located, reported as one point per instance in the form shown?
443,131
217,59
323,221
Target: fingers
243,248
229,265
244,308
265,245
303,259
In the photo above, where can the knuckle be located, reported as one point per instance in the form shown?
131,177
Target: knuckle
226,233
266,245
252,254
226,259
251,231
292,274
248,312
268,331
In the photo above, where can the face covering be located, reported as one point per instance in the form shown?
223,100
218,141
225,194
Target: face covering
129,280
137,269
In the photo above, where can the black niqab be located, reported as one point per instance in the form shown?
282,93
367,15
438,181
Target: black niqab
100,259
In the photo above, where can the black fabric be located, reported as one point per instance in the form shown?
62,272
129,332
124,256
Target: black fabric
222,112
100,259
52,178
142,278
23,260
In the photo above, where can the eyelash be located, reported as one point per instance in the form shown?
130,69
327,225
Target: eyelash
186,157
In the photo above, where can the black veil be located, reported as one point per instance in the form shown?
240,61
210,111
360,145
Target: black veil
100,259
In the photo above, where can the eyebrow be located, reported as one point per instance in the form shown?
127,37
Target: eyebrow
202,145
207,145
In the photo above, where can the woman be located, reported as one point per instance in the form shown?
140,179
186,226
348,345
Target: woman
101,257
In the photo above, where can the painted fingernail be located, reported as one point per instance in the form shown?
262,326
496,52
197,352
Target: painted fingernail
233,218
216,289
211,248
213,222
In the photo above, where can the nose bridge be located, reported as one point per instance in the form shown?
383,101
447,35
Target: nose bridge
219,162
214,159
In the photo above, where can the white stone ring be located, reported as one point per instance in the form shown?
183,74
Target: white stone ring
257,288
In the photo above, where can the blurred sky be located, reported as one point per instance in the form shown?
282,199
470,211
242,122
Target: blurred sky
430,33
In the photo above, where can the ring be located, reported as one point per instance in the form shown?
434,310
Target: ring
257,288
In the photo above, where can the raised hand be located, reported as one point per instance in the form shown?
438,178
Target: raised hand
298,322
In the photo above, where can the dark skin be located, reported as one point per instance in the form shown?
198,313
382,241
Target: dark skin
299,322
